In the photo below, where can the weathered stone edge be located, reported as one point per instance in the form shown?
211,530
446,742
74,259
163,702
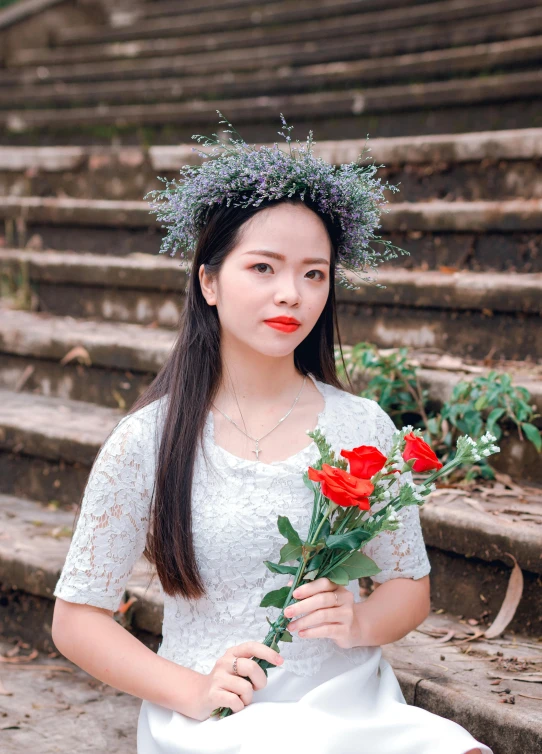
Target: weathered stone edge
512,730
474,534
506,216
461,290
516,144
498,87
23,9
144,349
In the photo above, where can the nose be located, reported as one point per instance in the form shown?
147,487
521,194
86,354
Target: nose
287,290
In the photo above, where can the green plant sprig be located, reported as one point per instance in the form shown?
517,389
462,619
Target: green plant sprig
484,404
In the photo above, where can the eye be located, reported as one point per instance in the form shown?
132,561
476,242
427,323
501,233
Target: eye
264,264
260,264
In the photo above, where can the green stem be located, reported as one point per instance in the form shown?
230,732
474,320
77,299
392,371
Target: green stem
324,518
347,519
315,511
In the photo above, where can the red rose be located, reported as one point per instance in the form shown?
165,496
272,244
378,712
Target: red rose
417,448
365,460
341,487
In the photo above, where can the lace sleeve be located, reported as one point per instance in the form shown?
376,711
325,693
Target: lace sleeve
113,523
400,553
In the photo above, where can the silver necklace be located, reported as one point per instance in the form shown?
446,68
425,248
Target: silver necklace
257,451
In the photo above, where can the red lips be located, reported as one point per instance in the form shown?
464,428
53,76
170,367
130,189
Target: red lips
284,320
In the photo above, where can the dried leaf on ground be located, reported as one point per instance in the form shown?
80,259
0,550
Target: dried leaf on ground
507,480
527,677
510,603
78,352
20,658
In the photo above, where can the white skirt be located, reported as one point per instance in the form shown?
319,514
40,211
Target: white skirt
340,710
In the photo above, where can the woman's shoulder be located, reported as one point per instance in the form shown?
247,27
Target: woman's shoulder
356,419
343,400
136,430
146,415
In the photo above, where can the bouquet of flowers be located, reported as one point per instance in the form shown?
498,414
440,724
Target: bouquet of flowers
342,517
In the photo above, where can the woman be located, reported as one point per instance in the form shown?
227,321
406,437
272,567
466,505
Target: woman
195,477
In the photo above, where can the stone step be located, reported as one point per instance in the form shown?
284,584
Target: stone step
165,7
422,309
235,51
431,107
172,7
425,66
63,365
305,19
47,701
47,445
470,166
422,663
137,349
477,235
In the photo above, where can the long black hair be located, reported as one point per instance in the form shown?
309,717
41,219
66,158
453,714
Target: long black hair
191,377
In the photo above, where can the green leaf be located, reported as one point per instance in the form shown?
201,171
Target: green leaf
276,568
308,483
360,565
288,531
481,403
339,576
325,530
290,552
432,426
493,418
351,540
286,636
316,561
276,598
533,434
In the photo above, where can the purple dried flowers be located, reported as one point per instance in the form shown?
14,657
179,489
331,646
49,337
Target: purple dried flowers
243,175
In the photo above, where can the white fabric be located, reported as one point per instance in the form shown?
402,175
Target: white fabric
341,709
235,506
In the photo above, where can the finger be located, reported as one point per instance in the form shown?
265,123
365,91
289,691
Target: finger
316,617
251,669
321,599
231,700
322,584
257,649
323,631
240,686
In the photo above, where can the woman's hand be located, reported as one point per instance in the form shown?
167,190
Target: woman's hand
328,613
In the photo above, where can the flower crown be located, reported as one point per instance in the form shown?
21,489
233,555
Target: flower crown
244,175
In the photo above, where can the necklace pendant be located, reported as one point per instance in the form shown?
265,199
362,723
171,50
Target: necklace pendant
257,450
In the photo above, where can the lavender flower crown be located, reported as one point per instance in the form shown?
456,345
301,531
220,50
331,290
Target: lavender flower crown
244,175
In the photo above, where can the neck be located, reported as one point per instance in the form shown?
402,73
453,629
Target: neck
264,383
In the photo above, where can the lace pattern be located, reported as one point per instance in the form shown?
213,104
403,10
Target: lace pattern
236,503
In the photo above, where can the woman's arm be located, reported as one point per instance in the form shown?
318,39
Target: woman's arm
395,608
91,638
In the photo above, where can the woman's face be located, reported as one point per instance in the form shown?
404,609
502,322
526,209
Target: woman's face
253,286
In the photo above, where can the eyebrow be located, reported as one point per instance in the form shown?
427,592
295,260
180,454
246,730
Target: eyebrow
275,255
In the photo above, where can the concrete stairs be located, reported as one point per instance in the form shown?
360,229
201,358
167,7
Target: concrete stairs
437,665
66,381
345,67
467,210
89,310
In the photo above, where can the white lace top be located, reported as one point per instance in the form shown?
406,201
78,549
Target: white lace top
235,506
